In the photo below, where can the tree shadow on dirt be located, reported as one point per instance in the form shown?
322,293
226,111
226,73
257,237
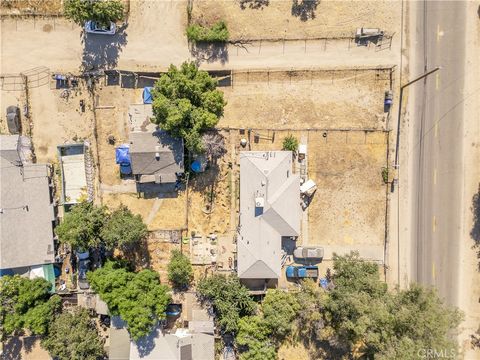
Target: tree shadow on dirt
254,4
103,51
304,9
209,52
137,255
475,232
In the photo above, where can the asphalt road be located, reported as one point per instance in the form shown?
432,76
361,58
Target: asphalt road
436,203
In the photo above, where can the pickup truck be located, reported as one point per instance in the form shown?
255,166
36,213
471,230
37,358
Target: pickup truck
299,272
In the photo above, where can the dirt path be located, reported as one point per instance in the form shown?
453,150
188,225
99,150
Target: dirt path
151,43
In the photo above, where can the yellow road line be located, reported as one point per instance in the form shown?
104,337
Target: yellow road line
439,33
436,129
434,223
435,177
433,270
437,81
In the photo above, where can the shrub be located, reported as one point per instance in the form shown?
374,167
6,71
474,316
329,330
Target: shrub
216,33
180,271
290,143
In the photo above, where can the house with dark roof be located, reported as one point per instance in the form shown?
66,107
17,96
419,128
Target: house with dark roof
156,157
269,210
26,208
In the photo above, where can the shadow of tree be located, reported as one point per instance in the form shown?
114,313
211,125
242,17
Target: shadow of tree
209,52
12,349
103,51
304,9
254,4
475,232
146,344
137,256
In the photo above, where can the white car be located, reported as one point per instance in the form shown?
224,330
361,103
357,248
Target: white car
307,253
94,27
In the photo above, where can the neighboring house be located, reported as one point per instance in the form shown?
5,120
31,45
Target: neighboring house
181,345
156,157
26,210
269,210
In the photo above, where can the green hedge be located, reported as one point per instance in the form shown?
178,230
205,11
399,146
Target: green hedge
217,33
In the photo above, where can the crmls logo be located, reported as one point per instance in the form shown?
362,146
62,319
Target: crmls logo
436,353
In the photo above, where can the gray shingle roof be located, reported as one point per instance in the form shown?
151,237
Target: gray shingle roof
266,177
27,213
144,146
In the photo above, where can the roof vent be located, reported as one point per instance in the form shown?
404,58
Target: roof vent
259,202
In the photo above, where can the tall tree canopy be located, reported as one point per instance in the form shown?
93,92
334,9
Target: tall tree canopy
279,311
103,12
254,339
229,298
386,325
123,229
186,103
88,225
180,271
82,225
138,298
73,335
26,304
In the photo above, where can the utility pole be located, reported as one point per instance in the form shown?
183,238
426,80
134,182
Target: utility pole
396,166
400,109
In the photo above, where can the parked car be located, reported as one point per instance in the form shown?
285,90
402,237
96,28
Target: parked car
298,272
94,27
307,253
83,267
13,119
173,309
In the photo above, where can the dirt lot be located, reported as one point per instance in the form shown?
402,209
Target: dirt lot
111,113
307,99
31,6
58,120
279,19
348,207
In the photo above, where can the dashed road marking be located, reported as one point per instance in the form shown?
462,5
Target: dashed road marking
433,270
435,177
434,223
436,129
440,33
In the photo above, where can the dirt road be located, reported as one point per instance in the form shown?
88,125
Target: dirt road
149,42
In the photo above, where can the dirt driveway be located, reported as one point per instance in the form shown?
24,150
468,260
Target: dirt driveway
155,37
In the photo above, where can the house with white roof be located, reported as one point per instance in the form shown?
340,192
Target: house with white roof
269,210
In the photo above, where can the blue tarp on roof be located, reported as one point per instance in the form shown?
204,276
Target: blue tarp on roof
122,157
147,95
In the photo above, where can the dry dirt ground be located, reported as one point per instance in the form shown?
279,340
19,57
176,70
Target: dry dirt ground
348,207
58,120
31,6
278,19
351,99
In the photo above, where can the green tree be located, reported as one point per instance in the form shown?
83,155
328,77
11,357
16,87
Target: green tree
218,32
103,12
253,339
290,143
78,11
81,226
279,310
377,323
107,11
123,229
26,304
180,271
229,298
73,335
186,103
138,298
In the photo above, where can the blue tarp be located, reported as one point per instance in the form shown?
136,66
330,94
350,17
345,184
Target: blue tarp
196,166
147,95
122,157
